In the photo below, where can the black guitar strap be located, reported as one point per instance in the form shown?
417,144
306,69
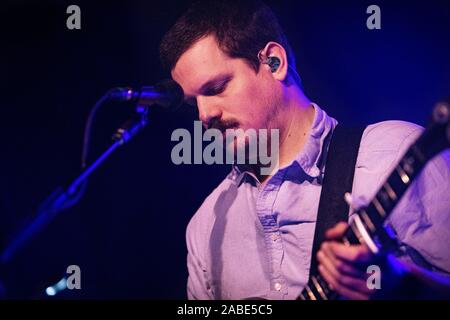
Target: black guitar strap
338,179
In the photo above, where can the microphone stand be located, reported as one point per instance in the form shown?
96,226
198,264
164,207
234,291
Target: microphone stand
62,199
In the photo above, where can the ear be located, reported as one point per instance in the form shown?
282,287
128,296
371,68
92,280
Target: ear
274,49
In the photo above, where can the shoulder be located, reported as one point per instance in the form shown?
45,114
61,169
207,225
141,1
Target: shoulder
390,135
382,146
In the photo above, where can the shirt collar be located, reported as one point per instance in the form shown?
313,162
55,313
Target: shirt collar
310,159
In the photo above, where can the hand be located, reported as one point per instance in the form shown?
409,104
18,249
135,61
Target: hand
340,265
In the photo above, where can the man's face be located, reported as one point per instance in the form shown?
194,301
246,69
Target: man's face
228,92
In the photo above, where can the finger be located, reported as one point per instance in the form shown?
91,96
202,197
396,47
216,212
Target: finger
354,284
353,253
357,280
338,266
340,289
327,262
337,232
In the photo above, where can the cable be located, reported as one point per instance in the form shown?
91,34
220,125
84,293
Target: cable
88,128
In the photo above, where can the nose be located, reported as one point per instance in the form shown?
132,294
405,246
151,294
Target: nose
208,110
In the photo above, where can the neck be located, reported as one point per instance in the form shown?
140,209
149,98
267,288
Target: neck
295,125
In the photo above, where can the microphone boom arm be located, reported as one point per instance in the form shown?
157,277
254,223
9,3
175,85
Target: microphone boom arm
61,199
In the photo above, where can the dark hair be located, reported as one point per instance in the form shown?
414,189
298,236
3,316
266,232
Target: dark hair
241,27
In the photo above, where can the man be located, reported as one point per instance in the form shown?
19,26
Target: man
252,237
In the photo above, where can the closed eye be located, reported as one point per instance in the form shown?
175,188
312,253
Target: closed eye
217,88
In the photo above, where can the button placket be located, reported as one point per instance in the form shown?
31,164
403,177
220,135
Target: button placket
264,207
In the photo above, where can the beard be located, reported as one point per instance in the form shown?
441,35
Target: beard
243,143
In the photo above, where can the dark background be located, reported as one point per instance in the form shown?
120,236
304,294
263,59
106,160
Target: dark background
127,233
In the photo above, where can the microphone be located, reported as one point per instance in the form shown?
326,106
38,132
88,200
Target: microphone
167,94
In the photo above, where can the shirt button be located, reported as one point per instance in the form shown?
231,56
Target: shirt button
277,286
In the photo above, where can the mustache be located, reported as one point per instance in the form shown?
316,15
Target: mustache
222,125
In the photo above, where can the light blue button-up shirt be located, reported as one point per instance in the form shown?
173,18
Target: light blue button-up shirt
253,241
